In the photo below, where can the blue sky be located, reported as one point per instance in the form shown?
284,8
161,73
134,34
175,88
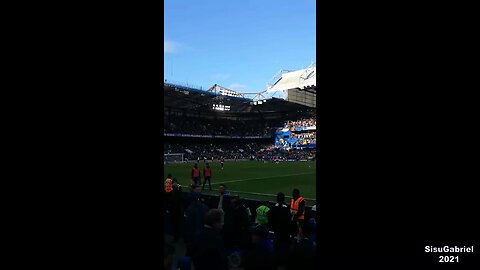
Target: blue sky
239,44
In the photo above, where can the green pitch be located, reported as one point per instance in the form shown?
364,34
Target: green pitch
254,179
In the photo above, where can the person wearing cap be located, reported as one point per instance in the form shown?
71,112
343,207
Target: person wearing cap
260,256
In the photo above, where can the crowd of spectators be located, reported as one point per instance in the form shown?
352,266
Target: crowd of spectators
273,154
222,232
239,151
216,127
209,151
305,122
304,138
300,154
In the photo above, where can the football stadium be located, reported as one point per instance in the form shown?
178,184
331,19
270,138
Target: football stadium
239,135
243,147
268,145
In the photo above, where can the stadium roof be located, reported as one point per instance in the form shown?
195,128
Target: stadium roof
186,98
299,79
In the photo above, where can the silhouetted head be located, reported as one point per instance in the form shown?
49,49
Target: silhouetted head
222,188
280,197
214,218
295,193
235,201
259,233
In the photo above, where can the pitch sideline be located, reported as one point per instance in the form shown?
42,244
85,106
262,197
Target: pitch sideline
249,179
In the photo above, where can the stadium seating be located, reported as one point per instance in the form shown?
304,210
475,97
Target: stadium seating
204,126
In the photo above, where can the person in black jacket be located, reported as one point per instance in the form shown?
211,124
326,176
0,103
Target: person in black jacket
237,224
194,220
279,222
223,198
209,251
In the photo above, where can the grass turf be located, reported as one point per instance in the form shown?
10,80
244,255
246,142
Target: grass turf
254,179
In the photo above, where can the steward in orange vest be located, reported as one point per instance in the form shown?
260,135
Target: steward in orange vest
168,184
196,174
207,174
297,206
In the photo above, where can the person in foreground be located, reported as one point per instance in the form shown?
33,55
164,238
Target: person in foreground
260,256
209,251
279,221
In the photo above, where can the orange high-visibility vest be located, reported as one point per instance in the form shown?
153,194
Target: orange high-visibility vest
294,207
207,171
168,185
196,172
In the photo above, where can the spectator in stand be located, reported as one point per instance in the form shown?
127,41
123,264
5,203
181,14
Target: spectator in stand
203,126
260,256
189,196
209,251
230,150
194,220
207,174
196,174
237,222
176,209
297,207
280,223
224,197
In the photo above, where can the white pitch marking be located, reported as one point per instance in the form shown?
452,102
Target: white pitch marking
241,180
